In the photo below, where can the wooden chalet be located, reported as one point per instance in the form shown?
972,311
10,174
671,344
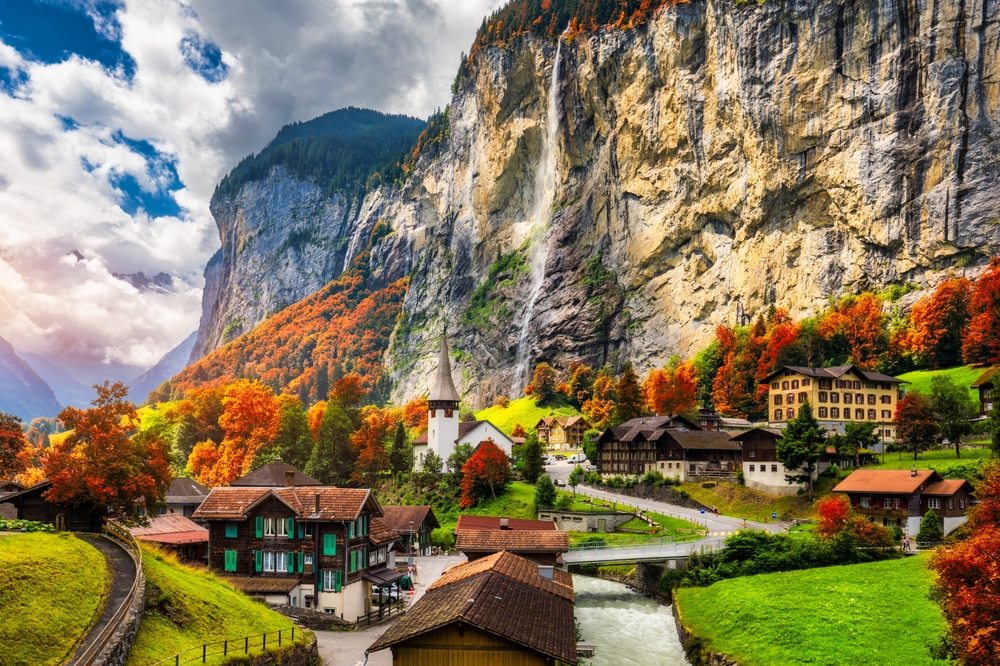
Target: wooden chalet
184,496
414,525
986,385
542,547
32,504
901,498
562,432
172,531
310,546
501,610
276,475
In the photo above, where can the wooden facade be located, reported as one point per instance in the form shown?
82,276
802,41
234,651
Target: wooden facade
31,504
665,445
459,644
986,385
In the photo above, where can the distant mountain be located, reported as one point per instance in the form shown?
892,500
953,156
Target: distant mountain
73,380
162,283
172,362
22,392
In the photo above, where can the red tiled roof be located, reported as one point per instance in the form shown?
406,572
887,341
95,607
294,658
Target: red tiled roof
261,584
227,502
399,517
886,481
510,565
379,532
518,541
173,529
467,522
946,487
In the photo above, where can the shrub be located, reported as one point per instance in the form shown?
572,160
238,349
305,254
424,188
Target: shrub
930,528
545,492
652,477
593,479
25,526
564,502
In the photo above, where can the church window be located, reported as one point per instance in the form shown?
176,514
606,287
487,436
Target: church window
449,413
433,413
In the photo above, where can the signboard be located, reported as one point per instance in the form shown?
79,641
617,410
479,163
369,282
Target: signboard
774,516
703,511
410,568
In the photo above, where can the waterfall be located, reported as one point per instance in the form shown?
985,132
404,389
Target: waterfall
545,188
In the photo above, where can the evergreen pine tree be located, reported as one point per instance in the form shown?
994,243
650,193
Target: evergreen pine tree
333,457
545,493
293,442
401,456
800,445
629,396
954,408
930,528
534,464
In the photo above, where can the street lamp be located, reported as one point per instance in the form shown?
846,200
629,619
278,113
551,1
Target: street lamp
411,538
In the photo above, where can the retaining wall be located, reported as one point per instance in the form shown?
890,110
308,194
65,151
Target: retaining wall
694,646
116,652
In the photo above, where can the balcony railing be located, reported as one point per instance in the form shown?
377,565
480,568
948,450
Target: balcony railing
876,511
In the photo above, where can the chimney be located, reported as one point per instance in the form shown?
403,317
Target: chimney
289,478
317,502
504,523
546,572
913,472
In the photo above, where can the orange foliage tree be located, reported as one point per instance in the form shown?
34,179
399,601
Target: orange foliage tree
600,407
518,431
671,390
857,325
982,338
488,467
377,426
415,415
837,520
834,511
315,415
12,447
102,465
968,582
938,323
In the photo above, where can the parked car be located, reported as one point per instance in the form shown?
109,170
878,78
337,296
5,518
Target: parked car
590,468
578,458
561,483
560,456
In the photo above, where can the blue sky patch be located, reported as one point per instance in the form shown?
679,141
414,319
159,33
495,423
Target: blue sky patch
203,57
162,169
51,31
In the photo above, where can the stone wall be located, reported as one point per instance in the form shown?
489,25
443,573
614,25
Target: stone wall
116,652
694,646
314,619
585,521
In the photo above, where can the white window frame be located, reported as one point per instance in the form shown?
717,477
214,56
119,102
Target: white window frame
269,527
268,561
282,527
280,561
866,502
933,503
329,580
307,559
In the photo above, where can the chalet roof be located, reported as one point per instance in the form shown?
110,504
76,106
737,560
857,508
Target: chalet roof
229,503
564,421
947,487
886,481
443,389
262,584
495,604
834,373
468,522
379,532
172,529
186,491
518,541
704,440
726,420
741,436
986,379
399,517
41,485
645,427
512,566
273,476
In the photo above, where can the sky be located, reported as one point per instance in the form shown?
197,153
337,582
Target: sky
117,119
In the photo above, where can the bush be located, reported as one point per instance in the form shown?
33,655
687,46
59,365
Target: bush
930,528
652,477
593,479
25,526
443,538
502,402
564,502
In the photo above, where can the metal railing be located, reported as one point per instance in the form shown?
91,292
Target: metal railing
624,543
131,546
228,647
383,612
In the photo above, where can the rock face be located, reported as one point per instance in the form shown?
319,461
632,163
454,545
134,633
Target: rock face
717,161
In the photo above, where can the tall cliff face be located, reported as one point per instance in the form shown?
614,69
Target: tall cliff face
708,165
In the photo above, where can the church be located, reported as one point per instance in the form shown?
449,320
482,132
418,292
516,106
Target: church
444,429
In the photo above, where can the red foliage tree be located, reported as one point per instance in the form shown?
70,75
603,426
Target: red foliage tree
12,447
982,338
102,465
918,425
349,391
671,390
415,415
859,324
834,512
938,324
488,467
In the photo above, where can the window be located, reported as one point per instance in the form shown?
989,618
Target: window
871,398
753,454
886,399
888,503
230,560
308,530
859,399
866,502
847,398
822,412
822,396
269,527
777,399
857,385
803,397
859,414
886,386
751,468
230,530
774,468
826,383
694,467
871,414
776,386
834,398
268,561
951,503
777,415
795,384
871,385
790,398
332,581
933,503
805,382
886,414
282,527
834,413
961,503
784,386
281,563
887,433
841,384
790,412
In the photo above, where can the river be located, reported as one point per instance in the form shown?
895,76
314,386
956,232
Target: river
627,627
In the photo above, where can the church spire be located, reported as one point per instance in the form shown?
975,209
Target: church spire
443,389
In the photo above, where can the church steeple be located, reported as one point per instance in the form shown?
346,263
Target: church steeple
443,393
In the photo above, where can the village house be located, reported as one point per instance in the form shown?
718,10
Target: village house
444,430
31,504
545,547
500,610
761,468
275,475
837,395
709,419
670,445
562,433
172,531
414,525
900,498
470,522
308,546
986,385
184,496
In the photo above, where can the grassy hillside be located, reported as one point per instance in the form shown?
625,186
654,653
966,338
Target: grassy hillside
186,607
524,411
878,614
739,501
40,578
963,375
944,460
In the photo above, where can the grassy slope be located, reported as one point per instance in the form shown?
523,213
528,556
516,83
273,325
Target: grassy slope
523,411
941,460
876,614
41,576
193,607
741,502
963,375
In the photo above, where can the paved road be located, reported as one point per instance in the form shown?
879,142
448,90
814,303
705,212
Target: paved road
717,526
347,648
121,568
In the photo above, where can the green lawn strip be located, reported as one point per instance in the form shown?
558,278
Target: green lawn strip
524,411
941,460
187,607
878,614
51,588
963,375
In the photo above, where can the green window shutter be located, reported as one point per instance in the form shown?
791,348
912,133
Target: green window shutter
301,556
350,531
302,531
259,557
339,580
260,528
290,558
320,581
230,560
230,530
291,528
353,553
329,544
367,524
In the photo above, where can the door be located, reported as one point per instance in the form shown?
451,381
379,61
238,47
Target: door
602,525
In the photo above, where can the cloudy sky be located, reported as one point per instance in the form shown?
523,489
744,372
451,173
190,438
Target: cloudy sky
117,119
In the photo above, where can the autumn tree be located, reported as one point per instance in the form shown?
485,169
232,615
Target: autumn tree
543,384
333,457
938,323
671,390
917,426
839,522
993,423
197,420
800,446
982,338
518,431
293,441
599,408
369,441
628,396
348,391
401,456
953,407
314,415
415,415
834,511
12,446
580,384
102,465
488,467
249,421
855,327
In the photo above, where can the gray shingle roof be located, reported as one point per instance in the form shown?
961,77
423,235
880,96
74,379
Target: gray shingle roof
443,389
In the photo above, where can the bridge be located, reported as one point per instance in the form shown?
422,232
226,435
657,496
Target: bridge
645,550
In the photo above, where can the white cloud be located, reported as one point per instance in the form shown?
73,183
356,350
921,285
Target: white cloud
59,178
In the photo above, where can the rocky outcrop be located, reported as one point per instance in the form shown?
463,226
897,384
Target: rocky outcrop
717,161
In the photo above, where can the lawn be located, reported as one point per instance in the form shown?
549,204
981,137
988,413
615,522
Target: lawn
963,375
739,501
524,411
52,577
876,614
186,607
941,460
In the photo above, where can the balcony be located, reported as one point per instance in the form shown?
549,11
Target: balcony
875,511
